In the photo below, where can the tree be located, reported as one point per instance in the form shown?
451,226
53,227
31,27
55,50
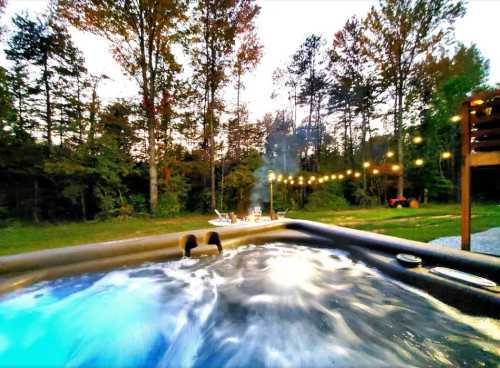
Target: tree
401,34
3,3
248,56
217,24
307,65
354,88
142,34
447,82
39,44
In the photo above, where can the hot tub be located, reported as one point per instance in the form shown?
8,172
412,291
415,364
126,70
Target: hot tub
290,293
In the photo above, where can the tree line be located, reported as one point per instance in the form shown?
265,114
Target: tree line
184,145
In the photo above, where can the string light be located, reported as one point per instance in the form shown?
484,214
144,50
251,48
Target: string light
455,118
477,102
417,140
290,180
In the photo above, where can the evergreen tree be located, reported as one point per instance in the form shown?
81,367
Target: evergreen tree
217,24
401,34
142,35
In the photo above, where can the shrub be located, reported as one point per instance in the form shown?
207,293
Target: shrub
325,200
139,203
168,205
363,199
125,210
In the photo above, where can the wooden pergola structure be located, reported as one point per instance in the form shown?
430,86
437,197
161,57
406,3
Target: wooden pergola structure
480,120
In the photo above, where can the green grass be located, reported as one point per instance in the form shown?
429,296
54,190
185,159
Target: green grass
26,238
422,224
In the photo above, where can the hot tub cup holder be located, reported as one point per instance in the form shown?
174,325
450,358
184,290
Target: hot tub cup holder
189,244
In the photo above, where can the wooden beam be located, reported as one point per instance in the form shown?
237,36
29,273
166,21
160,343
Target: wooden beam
465,187
485,159
485,132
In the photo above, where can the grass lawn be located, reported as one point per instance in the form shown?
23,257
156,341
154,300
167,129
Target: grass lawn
26,238
422,224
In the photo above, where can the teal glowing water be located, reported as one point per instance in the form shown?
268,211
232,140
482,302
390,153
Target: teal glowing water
276,305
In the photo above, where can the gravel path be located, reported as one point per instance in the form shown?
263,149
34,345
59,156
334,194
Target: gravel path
485,242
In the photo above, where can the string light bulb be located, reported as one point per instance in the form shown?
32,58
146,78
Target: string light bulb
366,164
417,140
389,154
341,176
349,172
320,180
395,167
334,177
357,174
446,155
419,162
455,118
375,171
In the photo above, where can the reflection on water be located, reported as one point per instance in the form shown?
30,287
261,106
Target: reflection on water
275,305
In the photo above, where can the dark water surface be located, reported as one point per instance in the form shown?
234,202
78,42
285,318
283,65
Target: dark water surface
276,305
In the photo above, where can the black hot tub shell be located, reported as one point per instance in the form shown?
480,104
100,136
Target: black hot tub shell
376,250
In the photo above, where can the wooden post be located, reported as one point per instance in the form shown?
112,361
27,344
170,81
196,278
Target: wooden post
271,204
465,200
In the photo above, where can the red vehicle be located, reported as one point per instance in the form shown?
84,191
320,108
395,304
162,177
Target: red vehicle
399,202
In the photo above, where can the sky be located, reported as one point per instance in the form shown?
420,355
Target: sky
282,27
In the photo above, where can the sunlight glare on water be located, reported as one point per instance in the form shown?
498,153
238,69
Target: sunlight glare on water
272,305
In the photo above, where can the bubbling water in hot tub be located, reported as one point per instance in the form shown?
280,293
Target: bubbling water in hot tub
272,305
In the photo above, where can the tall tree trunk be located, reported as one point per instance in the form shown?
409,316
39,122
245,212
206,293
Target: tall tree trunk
148,101
238,135
79,108
48,104
221,199
399,138
212,153
93,115
82,205
35,201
